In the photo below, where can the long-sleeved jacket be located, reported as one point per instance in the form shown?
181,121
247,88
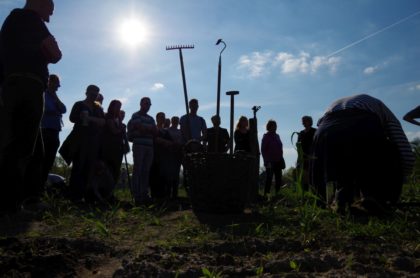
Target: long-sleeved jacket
271,148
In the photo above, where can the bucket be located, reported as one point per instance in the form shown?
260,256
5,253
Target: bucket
219,182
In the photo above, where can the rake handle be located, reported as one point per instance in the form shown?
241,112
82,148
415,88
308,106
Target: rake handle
184,83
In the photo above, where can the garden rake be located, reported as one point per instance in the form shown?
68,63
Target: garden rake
184,83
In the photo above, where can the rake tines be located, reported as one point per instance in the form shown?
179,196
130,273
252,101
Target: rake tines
172,47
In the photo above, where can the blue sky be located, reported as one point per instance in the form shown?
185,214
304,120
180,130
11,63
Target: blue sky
278,55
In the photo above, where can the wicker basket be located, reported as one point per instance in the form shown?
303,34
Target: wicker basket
219,183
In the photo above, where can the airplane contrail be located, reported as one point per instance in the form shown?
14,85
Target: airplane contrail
373,34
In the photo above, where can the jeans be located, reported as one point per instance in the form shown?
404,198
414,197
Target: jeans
143,158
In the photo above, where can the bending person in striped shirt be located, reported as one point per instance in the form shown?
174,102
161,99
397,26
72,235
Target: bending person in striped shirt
361,149
141,131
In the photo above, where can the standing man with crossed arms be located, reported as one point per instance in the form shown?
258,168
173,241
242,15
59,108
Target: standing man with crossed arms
26,49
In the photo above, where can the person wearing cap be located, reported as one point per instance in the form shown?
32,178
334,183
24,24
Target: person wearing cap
26,49
81,147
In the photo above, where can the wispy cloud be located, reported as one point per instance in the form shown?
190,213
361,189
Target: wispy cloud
415,88
290,63
370,70
374,69
258,64
157,87
304,63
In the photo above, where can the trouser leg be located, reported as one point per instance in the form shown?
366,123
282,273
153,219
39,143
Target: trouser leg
268,180
20,115
78,179
278,175
51,143
33,185
144,174
136,172
143,157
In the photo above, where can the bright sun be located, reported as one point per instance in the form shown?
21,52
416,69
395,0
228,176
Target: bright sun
133,32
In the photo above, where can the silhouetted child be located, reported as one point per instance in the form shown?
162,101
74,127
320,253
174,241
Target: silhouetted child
272,152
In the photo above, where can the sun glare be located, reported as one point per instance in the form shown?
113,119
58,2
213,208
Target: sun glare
133,32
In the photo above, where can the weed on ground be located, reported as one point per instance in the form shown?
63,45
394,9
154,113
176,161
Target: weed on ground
287,234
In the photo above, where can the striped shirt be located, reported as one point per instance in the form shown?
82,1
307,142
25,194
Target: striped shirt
392,126
135,135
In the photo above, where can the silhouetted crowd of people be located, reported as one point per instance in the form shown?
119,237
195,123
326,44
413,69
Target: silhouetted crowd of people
359,146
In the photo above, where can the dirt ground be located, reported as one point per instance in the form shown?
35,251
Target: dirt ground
177,245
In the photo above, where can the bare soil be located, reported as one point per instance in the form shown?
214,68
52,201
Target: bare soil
181,243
